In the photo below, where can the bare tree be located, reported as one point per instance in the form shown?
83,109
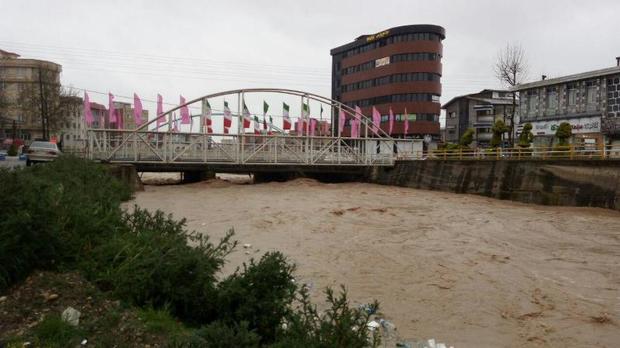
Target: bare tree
44,98
511,69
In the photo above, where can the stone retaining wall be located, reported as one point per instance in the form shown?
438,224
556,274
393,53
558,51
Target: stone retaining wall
593,183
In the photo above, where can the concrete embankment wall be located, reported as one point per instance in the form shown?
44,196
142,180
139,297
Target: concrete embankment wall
127,174
556,182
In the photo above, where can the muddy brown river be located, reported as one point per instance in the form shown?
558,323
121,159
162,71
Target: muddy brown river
466,270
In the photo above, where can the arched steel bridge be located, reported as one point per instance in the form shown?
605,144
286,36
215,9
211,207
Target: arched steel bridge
153,147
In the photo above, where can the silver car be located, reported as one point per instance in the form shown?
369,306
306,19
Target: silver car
42,151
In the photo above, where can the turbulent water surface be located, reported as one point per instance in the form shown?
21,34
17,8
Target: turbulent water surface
467,270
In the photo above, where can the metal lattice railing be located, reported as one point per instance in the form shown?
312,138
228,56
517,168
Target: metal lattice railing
125,146
570,152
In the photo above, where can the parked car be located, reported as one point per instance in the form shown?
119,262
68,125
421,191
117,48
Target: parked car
42,151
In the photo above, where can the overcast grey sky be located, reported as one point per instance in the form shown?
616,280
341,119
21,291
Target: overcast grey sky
200,47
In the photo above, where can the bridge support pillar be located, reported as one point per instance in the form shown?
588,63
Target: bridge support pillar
197,175
327,177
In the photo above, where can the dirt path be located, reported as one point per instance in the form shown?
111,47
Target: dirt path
467,270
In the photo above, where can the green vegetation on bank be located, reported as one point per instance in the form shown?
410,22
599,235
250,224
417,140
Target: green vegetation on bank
67,216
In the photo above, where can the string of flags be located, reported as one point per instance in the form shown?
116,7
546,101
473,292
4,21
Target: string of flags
305,125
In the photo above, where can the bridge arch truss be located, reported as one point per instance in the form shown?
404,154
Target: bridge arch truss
156,144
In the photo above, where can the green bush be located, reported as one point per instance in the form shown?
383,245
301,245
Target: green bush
338,326
220,335
526,137
498,129
12,151
53,215
150,262
467,138
67,215
563,133
260,294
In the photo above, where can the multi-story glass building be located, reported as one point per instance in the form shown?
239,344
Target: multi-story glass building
398,68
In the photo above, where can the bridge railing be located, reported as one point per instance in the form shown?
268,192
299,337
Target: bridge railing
130,146
571,152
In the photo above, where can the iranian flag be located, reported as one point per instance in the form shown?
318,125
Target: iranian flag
305,112
227,117
175,122
247,118
270,126
265,108
206,116
160,110
286,121
256,125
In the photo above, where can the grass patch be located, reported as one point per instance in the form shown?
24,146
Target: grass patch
160,321
53,332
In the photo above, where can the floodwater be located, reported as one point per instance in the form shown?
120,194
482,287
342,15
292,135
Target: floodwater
467,270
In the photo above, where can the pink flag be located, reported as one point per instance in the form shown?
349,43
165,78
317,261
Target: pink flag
185,119
406,126
119,119
312,126
358,121
160,110
376,120
341,121
111,113
137,109
391,121
355,130
88,114
298,127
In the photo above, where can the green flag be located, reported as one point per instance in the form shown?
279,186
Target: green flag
265,107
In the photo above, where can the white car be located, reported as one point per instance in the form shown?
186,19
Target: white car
42,151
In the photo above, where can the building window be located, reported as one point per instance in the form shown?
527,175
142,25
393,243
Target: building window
592,95
391,40
532,104
402,57
572,96
452,114
486,112
552,100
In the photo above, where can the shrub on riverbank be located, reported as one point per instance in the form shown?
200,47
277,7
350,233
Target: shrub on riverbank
66,215
51,215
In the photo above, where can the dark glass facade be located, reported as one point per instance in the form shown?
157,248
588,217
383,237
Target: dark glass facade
398,68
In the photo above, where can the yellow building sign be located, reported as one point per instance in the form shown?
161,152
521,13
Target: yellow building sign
377,36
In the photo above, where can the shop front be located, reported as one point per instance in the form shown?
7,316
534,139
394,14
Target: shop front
586,132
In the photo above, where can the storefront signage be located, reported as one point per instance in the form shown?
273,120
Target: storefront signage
579,125
382,61
377,36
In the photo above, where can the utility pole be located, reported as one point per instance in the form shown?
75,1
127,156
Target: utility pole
42,105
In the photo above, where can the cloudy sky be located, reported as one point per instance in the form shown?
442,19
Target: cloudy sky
200,47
